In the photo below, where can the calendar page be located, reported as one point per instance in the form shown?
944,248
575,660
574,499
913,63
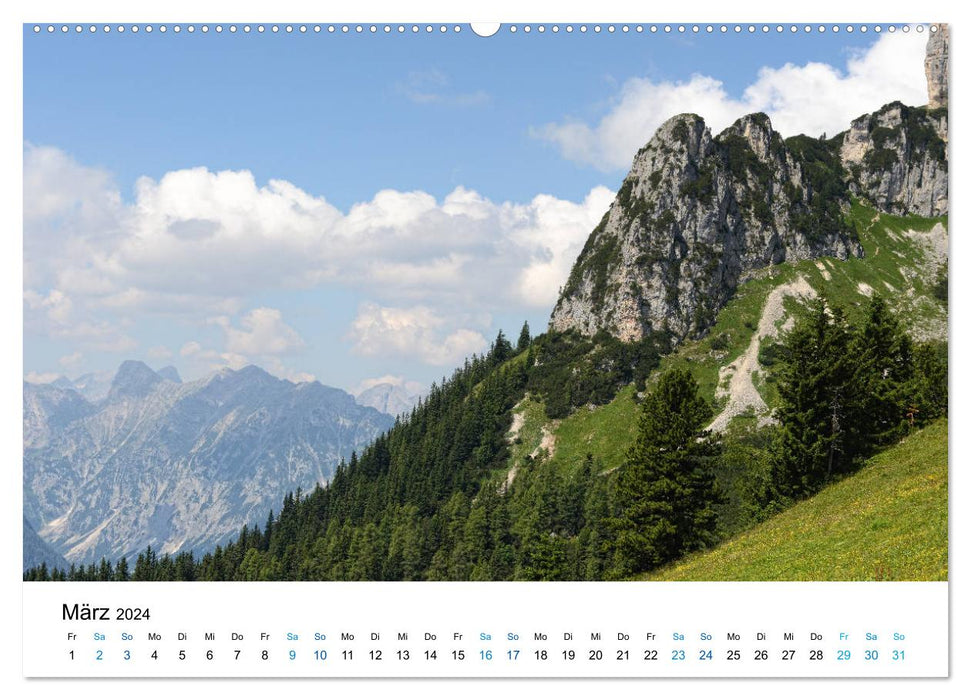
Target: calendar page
424,349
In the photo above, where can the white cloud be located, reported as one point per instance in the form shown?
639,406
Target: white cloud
261,332
552,231
416,332
190,349
81,190
202,360
813,98
260,337
40,377
56,306
196,244
71,361
275,367
56,316
72,213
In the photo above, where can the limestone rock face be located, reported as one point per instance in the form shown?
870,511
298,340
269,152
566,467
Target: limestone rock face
936,67
896,159
697,213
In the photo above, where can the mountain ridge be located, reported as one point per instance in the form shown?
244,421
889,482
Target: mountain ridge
202,458
698,212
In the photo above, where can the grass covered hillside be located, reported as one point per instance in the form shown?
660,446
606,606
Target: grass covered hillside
905,262
888,521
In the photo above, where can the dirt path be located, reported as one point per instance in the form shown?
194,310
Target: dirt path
548,443
741,392
518,420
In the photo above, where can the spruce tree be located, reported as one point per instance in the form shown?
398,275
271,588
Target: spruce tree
501,349
121,570
666,491
817,403
927,391
884,365
524,338
105,571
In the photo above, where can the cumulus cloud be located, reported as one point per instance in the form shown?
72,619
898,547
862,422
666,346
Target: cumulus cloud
55,315
260,332
203,360
71,212
814,98
416,332
206,360
196,244
260,337
554,231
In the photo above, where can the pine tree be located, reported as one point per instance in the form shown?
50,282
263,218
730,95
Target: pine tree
666,492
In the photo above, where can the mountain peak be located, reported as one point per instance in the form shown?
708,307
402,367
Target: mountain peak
386,397
695,213
170,373
133,379
255,373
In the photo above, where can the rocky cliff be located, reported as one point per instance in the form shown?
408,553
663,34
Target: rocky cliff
896,159
937,66
696,213
699,212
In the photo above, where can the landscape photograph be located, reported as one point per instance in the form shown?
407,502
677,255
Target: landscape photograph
561,303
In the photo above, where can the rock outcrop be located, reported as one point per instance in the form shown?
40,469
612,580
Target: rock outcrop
695,215
897,159
936,67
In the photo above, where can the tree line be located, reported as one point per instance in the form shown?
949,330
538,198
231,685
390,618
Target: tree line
430,499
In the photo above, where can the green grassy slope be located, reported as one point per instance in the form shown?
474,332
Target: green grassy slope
895,265
886,522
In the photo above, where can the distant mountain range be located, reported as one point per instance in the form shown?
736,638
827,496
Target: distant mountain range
37,551
392,399
114,464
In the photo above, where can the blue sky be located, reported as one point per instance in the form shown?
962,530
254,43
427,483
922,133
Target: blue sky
350,207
